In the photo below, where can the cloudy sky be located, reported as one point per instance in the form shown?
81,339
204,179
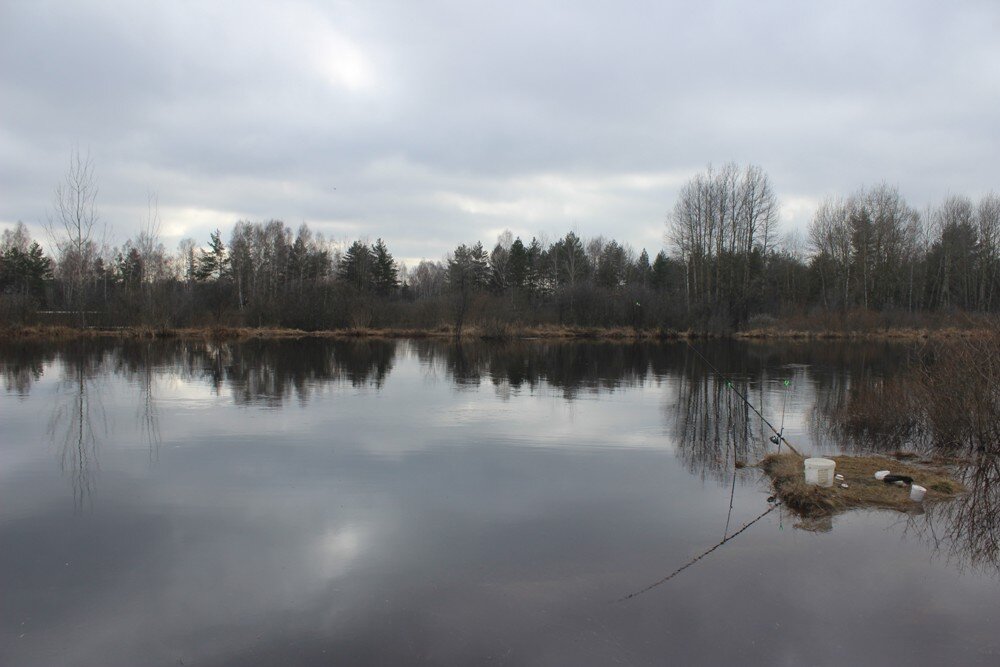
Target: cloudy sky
435,123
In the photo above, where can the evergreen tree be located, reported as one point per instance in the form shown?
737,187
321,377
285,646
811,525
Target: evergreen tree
386,273
480,266
640,273
612,266
24,270
213,264
129,267
535,280
518,265
570,260
659,275
461,276
357,266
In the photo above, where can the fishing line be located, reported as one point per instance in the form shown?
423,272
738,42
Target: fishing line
732,494
729,383
784,402
698,557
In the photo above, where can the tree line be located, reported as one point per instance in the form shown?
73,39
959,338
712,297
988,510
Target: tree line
727,266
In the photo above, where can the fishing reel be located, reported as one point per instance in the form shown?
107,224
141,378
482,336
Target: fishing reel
775,439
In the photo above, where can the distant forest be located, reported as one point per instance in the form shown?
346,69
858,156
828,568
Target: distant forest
727,268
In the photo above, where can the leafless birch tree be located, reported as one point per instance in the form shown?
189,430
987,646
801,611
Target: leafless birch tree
72,229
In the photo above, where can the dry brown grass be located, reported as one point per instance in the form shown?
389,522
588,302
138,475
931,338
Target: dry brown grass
903,335
38,332
788,477
485,331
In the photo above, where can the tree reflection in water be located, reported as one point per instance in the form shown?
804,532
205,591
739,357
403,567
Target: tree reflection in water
71,426
712,427
22,364
269,372
138,362
966,530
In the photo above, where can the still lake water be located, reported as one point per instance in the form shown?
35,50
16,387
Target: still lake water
412,502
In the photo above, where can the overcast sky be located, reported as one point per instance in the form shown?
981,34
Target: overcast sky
436,123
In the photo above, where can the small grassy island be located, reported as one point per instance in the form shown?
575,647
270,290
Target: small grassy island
864,491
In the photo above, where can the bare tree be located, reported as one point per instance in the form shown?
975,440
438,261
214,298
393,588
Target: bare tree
988,222
72,228
723,227
830,242
147,242
186,261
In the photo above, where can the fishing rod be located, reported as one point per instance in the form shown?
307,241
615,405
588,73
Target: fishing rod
780,437
776,439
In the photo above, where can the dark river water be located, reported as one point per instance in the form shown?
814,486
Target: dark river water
414,502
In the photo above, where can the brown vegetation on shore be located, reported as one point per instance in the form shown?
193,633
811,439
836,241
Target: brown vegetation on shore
882,334
488,331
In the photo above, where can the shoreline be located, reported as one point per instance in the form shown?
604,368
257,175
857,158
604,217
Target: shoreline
490,333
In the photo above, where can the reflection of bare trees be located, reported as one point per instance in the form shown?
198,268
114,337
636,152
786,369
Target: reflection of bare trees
22,365
967,529
71,426
714,427
944,400
149,416
959,389
138,361
872,413
974,519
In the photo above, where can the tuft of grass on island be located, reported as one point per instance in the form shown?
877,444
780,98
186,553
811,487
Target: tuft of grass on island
489,331
787,475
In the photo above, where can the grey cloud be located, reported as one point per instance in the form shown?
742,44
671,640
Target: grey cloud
259,111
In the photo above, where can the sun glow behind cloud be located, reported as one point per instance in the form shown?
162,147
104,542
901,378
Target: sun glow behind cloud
343,64
328,51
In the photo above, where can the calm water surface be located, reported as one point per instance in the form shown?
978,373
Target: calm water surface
412,502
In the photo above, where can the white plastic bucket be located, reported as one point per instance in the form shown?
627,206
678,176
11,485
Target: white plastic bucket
917,492
820,471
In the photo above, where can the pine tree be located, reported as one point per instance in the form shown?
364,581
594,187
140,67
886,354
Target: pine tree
386,273
661,268
480,266
24,270
213,263
641,271
518,265
356,266
571,260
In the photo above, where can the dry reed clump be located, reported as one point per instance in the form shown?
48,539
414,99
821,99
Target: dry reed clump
40,331
959,391
864,491
497,330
